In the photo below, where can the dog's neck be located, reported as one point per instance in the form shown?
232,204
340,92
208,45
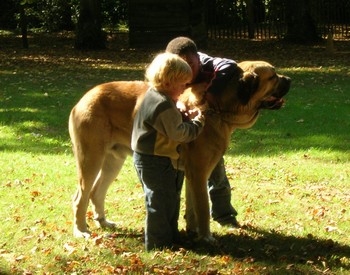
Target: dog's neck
230,111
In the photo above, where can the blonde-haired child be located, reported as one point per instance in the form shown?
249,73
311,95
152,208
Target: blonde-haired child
158,131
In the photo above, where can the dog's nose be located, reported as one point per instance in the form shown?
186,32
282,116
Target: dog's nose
283,87
288,79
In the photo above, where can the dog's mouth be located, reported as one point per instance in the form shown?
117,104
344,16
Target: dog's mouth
272,103
275,100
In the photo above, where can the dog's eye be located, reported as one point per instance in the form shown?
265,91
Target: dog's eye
273,77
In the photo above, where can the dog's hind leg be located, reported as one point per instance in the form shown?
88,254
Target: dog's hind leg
88,169
110,170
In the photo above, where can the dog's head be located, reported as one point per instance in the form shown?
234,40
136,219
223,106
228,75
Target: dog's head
255,86
261,86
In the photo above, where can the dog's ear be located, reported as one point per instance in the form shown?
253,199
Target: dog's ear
248,84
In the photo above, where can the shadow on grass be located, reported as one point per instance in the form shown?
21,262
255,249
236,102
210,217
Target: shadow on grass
35,115
254,245
266,252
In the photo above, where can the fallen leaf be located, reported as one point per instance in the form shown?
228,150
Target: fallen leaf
97,240
330,228
69,248
89,215
20,258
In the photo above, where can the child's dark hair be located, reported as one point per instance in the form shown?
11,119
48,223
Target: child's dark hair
181,46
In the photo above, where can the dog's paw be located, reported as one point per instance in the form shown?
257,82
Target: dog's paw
86,234
207,243
208,239
103,223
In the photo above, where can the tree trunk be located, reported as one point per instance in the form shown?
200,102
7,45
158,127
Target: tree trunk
89,29
153,23
24,25
198,25
300,25
251,19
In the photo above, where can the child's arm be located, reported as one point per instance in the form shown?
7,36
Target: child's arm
170,123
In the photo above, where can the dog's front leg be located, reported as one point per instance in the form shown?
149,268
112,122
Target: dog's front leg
191,223
197,213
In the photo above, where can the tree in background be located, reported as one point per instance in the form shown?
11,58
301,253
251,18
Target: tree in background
8,8
300,21
56,15
300,26
23,22
115,14
89,34
255,14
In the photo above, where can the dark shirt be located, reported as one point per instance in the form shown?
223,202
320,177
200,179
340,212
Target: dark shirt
222,69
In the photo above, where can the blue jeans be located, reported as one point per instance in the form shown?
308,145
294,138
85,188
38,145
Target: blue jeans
220,194
162,185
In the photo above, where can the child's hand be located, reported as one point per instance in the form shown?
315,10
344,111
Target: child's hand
181,106
183,110
195,112
198,115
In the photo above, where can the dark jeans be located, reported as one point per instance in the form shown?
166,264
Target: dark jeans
162,185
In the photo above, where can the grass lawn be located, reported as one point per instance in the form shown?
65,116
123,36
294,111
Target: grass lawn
290,173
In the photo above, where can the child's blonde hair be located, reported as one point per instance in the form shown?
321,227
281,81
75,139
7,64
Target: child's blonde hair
167,68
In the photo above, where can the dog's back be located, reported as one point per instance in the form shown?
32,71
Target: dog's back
107,111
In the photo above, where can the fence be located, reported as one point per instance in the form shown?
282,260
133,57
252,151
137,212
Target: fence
230,19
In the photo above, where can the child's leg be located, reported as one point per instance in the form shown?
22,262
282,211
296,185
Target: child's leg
159,182
174,221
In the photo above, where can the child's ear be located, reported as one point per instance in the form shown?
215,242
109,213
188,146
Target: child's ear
248,85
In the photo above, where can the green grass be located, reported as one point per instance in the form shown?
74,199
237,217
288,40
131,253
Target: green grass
290,173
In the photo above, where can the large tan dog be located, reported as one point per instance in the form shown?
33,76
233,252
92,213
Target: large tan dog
100,127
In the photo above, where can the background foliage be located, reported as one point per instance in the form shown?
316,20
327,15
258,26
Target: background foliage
59,15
